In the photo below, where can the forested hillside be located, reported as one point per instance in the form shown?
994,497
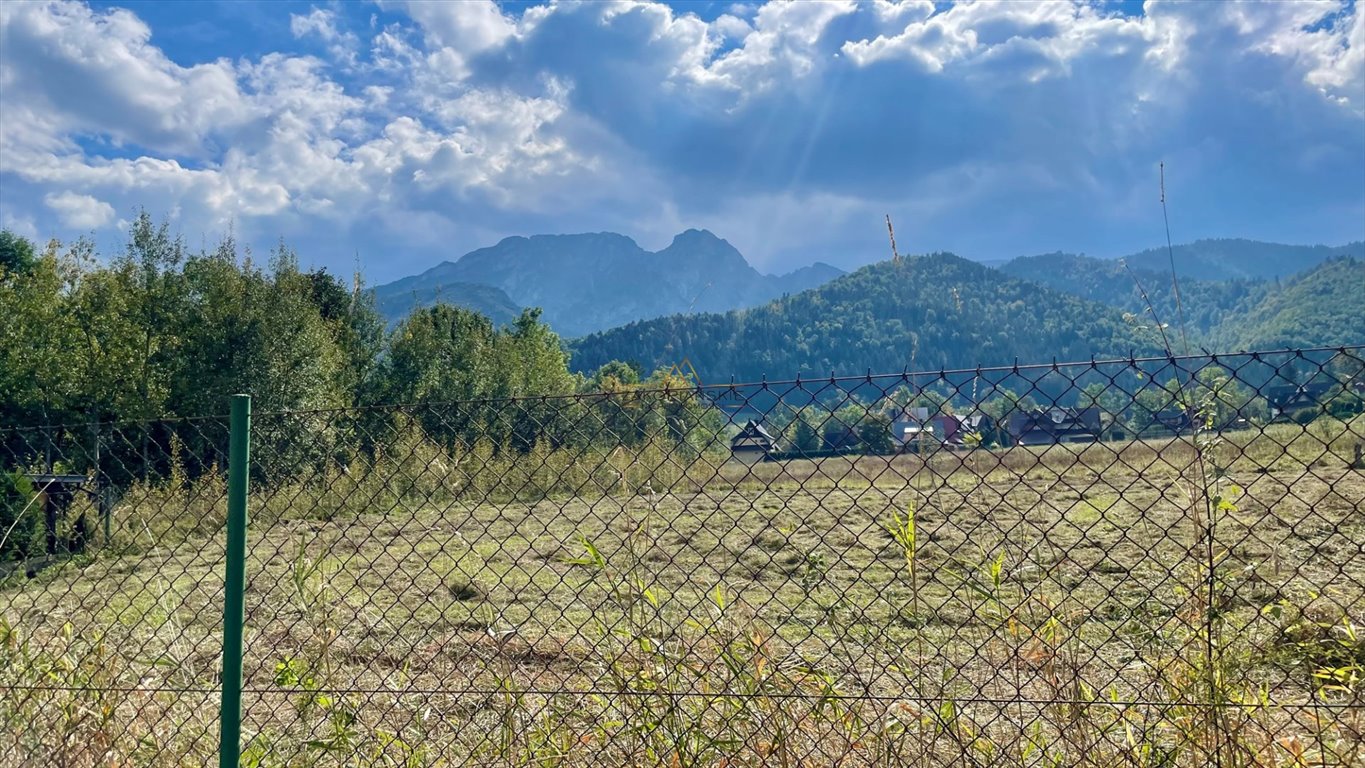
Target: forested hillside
491,302
1206,303
1236,258
1321,307
927,312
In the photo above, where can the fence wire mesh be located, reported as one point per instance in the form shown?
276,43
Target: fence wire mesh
1153,562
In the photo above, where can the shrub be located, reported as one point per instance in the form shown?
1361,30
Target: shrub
19,517
1345,405
1305,416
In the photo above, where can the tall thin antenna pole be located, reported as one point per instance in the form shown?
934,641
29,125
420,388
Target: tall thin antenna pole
895,255
1170,255
355,281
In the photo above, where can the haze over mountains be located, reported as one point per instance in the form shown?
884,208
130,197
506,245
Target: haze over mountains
700,300
590,282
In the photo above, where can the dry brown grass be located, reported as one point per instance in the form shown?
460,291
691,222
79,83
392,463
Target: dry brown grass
1062,612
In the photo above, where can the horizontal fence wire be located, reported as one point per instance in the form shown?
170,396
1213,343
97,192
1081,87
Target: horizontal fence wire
1145,561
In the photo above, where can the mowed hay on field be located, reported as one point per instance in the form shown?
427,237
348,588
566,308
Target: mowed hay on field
1067,605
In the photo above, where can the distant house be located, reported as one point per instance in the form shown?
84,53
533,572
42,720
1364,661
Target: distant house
979,424
1176,421
842,439
752,443
914,428
1285,400
1048,426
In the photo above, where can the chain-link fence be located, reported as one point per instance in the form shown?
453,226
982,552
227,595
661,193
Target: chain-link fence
1146,562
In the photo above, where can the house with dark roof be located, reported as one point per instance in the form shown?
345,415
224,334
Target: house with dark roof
1049,426
916,428
1174,421
752,443
980,427
1285,400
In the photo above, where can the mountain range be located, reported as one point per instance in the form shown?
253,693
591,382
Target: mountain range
590,282
1236,258
942,311
699,300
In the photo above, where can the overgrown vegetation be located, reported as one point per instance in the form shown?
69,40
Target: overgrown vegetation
161,331
19,517
441,606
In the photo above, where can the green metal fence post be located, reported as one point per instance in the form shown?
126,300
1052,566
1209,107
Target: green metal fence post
234,600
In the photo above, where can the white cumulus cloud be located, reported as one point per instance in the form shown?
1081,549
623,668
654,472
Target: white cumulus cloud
79,211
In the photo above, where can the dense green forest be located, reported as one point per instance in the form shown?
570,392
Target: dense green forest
1239,259
1320,307
924,313
1203,303
489,301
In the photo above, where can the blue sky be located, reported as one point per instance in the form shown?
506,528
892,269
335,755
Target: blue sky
407,133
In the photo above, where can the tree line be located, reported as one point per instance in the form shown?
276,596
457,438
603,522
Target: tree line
160,331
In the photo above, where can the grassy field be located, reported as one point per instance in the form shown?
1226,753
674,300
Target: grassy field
1138,603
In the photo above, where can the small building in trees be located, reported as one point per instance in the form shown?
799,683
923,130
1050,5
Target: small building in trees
1287,400
1174,421
752,443
1049,426
916,428
978,429
840,438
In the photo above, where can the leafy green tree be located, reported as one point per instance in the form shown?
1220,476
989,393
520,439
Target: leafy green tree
356,328
259,332
1345,399
1154,398
532,363
534,358
806,431
874,431
1220,400
16,253
149,283
441,354
613,375
1092,395
689,420
40,379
